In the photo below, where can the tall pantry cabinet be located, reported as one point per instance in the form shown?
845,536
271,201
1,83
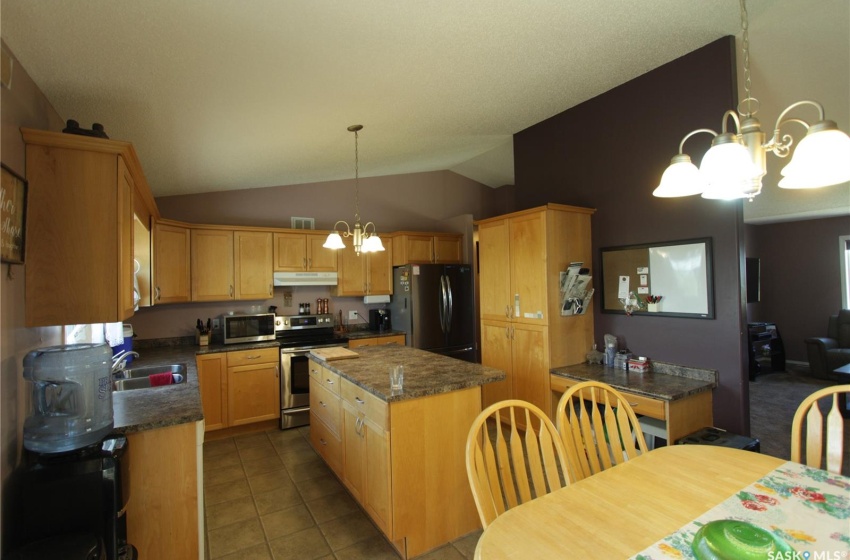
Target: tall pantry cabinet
520,258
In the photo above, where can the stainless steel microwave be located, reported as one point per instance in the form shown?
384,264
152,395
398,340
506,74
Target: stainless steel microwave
245,327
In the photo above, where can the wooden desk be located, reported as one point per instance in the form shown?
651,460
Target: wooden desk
621,511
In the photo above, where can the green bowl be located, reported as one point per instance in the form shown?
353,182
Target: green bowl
728,539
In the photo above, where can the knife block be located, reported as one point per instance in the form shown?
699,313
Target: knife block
202,339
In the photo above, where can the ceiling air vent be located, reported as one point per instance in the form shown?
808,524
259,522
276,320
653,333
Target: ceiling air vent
303,223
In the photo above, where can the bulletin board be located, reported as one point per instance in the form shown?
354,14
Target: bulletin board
679,271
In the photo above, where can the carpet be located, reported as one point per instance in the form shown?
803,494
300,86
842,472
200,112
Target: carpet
774,398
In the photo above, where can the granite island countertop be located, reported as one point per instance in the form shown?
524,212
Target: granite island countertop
365,333
425,373
668,382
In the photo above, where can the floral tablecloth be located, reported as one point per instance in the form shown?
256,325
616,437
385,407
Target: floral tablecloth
808,508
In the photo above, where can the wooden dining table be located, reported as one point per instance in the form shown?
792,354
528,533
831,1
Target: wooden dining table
621,511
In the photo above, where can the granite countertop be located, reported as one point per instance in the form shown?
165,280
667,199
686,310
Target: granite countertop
667,382
158,407
425,373
371,334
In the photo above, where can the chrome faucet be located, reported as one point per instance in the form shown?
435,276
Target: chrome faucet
119,361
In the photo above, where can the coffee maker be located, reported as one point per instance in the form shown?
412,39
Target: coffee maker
379,320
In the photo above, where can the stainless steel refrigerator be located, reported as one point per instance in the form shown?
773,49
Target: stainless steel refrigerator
434,305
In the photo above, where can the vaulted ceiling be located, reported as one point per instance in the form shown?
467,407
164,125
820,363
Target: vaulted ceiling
230,95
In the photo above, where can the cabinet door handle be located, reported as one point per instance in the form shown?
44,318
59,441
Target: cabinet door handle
507,332
231,290
508,311
304,263
157,293
310,262
271,289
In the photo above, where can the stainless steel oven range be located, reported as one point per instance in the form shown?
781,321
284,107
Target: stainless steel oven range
297,335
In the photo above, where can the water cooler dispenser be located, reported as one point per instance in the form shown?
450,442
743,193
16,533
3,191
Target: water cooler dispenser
71,489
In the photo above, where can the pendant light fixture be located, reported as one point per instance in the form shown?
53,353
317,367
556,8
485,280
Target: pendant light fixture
363,240
736,162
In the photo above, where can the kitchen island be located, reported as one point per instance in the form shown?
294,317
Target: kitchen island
401,454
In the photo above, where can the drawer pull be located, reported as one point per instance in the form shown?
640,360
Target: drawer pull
633,404
252,357
323,404
322,441
359,400
329,381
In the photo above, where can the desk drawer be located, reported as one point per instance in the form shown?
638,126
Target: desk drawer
641,404
251,357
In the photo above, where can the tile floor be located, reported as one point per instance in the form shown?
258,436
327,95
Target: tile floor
269,496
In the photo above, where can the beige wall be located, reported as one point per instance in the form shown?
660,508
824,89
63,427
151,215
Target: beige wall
21,105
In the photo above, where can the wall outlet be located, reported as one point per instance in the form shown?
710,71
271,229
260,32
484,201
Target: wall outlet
352,315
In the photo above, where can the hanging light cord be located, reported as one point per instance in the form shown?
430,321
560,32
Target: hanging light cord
356,129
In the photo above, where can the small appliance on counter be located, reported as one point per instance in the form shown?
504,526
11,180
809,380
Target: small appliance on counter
379,320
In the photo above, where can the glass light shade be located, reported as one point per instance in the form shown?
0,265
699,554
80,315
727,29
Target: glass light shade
334,241
681,178
821,159
729,170
372,244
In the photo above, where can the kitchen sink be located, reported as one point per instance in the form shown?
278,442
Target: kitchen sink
139,378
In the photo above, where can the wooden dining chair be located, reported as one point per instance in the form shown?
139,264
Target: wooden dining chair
809,412
513,455
598,428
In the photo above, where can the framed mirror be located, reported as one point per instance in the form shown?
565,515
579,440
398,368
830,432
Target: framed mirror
677,276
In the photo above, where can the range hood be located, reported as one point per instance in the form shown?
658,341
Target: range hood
305,278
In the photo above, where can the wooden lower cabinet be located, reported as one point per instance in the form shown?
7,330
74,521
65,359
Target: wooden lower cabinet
408,473
240,387
377,341
212,381
165,507
522,352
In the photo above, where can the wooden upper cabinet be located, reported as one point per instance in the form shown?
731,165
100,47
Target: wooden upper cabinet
367,274
80,205
528,268
297,252
212,264
495,270
171,264
253,265
423,248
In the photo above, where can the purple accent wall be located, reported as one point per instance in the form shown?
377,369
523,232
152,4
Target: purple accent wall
609,153
414,201
800,278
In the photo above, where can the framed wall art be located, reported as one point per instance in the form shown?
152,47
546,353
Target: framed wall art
13,216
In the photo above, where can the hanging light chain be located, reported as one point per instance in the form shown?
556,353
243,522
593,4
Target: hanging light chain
745,45
356,129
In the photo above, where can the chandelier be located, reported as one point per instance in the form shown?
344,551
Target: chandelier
736,162
363,240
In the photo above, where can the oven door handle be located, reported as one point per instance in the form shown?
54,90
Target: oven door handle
295,410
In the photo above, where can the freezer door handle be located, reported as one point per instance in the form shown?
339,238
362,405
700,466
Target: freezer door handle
449,304
443,306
